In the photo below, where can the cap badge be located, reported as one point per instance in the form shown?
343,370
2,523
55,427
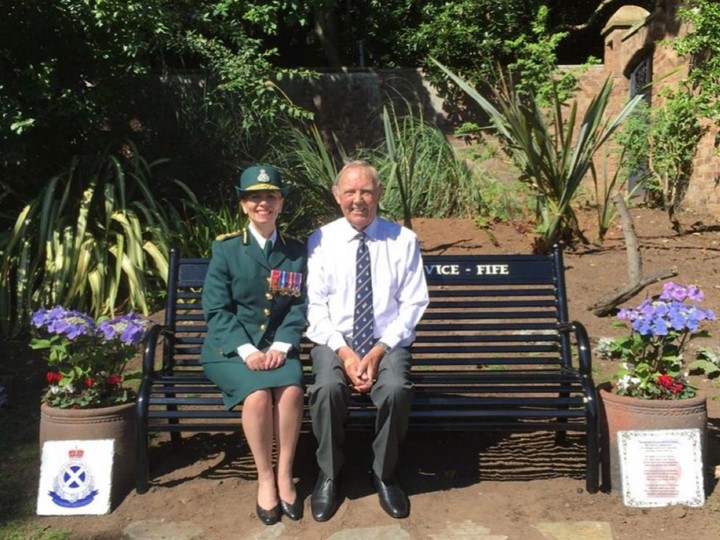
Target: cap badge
263,176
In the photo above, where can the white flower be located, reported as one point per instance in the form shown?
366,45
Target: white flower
603,347
626,381
69,389
54,389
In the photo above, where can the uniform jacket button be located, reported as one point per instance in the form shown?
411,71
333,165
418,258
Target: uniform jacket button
263,327
266,312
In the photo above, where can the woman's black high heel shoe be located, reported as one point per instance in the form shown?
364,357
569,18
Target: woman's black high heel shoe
295,510
268,517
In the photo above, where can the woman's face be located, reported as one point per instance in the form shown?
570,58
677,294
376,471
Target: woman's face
262,207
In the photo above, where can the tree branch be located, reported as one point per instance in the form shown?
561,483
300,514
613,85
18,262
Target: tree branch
591,19
636,281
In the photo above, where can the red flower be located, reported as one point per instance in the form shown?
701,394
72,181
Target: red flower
89,383
113,380
676,388
53,378
666,381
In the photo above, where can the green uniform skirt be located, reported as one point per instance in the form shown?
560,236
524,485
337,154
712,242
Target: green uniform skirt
237,381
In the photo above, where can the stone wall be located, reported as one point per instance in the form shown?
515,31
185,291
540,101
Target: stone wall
348,103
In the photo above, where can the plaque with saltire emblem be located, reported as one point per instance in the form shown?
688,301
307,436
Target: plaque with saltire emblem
75,478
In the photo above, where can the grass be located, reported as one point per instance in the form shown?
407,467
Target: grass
19,451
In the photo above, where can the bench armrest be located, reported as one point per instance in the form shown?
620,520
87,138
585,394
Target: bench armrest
582,343
156,333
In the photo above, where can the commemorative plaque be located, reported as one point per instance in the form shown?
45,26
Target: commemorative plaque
661,467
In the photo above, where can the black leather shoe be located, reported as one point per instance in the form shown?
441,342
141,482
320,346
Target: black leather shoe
295,510
268,517
325,498
392,497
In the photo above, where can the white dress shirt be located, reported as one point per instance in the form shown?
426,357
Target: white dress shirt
400,293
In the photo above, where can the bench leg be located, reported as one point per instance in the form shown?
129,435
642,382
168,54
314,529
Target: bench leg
142,476
592,453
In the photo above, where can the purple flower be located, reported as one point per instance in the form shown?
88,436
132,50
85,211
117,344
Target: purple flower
64,322
694,294
660,327
129,329
673,291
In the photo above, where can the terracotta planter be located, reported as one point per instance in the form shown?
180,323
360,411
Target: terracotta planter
117,423
621,413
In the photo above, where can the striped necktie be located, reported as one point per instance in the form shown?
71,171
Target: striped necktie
363,323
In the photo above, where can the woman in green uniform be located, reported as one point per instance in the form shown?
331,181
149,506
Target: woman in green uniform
254,303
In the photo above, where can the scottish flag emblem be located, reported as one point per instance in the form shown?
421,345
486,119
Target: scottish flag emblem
74,485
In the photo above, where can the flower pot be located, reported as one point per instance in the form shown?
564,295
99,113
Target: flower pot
620,413
116,422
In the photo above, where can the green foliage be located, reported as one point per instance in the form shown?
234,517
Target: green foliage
470,37
552,156
198,225
535,68
312,168
421,174
707,363
95,237
608,185
76,75
659,144
632,137
674,134
702,45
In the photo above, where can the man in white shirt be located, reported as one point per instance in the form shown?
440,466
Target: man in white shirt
391,295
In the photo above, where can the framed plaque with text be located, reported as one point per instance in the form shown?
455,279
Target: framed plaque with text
661,467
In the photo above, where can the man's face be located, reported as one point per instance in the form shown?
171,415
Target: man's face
358,197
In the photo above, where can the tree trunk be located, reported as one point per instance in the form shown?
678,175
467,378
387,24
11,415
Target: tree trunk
636,281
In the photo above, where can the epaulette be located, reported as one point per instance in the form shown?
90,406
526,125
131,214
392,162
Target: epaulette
225,236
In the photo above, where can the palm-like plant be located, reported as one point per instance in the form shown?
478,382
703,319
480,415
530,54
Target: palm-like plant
423,176
91,240
553,155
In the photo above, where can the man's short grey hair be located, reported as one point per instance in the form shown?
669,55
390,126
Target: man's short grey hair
358,163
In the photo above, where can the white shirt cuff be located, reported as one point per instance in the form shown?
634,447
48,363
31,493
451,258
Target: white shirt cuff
281,346
246,350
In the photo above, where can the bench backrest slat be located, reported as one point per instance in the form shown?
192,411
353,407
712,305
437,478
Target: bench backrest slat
485,310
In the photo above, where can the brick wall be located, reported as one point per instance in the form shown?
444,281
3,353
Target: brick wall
630,35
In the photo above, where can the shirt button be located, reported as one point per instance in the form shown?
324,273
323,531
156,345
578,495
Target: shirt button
263,327
266,312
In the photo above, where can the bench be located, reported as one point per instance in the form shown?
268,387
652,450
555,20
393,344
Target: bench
494,351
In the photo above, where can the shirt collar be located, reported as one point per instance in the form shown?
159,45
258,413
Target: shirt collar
259,238
371,231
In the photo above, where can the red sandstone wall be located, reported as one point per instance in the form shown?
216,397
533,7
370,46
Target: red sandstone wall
627,39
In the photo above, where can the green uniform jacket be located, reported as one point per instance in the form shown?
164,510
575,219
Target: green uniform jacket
238,304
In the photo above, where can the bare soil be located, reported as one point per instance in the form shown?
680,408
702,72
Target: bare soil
505,483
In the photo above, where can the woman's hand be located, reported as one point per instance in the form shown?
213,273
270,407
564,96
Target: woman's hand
274,358
260,361
256,361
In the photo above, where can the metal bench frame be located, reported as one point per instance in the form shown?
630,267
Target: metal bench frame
494,351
